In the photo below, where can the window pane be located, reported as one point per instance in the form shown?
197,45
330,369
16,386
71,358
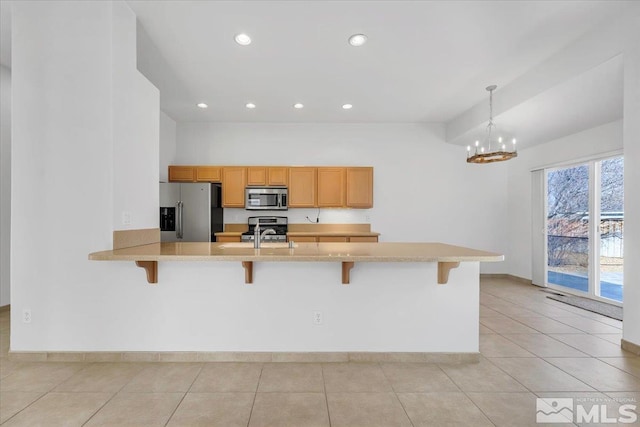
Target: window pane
611,227
568,227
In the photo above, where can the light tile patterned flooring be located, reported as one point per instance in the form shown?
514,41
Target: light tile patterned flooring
531,346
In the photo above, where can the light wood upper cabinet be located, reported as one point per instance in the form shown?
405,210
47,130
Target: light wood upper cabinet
277,176
195,173
209,174
234,181
182,174
359,187
270,176
309,187
302,187
256,175
331,187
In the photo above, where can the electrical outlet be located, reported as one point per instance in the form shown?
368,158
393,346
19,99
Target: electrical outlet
126,218
26,315
317,318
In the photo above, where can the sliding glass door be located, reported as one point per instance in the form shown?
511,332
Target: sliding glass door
568,227
611,228
584,228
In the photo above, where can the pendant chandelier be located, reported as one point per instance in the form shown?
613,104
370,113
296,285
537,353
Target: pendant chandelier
492,149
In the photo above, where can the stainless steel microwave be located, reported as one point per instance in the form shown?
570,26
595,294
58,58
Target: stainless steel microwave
266,198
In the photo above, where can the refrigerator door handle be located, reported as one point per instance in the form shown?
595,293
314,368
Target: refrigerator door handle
179,230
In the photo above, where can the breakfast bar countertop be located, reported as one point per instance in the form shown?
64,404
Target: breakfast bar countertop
147,256
309,252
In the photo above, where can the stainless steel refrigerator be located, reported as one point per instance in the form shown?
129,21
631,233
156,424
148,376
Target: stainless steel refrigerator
190,212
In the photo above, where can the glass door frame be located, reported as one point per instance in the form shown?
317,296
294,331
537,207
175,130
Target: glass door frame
593,290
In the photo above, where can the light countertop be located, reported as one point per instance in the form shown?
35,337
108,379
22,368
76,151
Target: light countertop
308,252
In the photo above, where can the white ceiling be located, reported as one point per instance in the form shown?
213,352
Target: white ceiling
425,61
590,99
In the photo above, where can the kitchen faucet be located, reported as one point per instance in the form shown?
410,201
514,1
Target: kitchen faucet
257,237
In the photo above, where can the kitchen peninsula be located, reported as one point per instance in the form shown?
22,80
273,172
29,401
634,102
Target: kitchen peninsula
397,302
447,256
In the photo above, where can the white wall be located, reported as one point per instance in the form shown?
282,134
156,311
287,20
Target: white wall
5,184
71,172
423,188
631,330
167,145
602,139
68,175
136,129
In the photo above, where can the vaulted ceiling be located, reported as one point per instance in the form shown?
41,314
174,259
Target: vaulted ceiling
424,61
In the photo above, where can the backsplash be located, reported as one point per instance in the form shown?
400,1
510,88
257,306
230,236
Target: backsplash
298,216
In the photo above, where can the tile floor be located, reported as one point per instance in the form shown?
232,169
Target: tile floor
531,347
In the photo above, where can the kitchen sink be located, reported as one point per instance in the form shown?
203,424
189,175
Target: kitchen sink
264,245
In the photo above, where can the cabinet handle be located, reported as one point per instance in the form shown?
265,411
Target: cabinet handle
179,220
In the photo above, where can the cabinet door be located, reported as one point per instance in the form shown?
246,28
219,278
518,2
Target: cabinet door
365,239
302,187
331,187
303,239
325,239
257,175
182,174
223,239
360,187
208,174
234,181
277,176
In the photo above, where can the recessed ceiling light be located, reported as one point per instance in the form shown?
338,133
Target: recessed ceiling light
202,105
298,106
347,107
250,105
357,40
243,39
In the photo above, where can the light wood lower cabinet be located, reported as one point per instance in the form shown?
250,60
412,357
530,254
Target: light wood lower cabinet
303,239
363,239
227,239
328,239
311,239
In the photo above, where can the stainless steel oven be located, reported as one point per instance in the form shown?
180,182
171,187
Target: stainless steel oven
266,198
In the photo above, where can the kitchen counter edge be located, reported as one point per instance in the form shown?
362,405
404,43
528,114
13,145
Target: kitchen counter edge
308,252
